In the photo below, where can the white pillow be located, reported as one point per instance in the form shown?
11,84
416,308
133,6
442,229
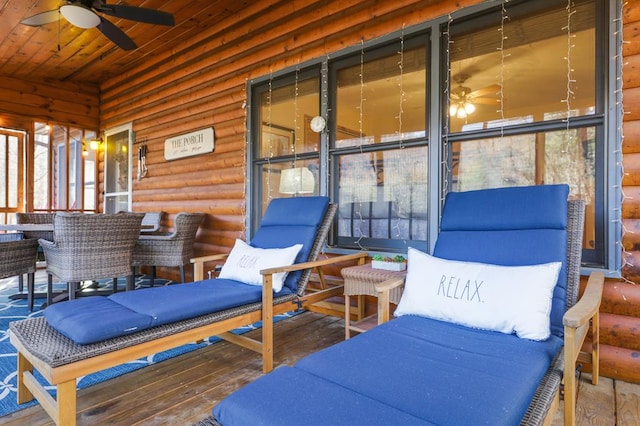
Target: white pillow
500,298
245,263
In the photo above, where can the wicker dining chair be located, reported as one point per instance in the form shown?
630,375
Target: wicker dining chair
170,249
151,222
90,247
17,258
36,218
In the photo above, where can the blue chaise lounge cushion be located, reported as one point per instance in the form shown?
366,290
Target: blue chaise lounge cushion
94,318
414,367
286,222
290,221
490,226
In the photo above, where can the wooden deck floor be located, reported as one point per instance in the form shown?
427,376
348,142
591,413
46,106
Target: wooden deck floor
182,390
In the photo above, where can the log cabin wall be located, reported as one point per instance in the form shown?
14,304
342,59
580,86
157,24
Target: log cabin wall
620,309
24,102
62,102
203,84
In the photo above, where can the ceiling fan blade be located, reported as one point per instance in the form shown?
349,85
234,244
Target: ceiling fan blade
485,101
116,35
42,18
140,14
489,90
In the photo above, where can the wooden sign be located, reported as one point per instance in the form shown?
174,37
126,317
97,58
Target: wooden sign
190,144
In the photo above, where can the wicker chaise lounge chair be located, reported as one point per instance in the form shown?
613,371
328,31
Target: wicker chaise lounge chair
60,360
471,343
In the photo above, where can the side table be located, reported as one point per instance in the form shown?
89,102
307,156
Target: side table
360,281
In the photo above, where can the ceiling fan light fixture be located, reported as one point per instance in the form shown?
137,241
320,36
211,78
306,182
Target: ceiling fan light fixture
80,16
469,108
461,109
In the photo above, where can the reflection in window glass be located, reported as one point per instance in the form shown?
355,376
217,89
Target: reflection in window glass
368,99
286,179
565,156
383,196
381,184
288,149
285,114
526,81
514,117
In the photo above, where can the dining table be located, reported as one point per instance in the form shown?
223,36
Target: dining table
21,227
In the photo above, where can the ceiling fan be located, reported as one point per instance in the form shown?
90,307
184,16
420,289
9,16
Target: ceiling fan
84,14
463,100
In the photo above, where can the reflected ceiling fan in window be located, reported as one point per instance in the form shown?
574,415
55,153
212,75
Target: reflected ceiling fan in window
85,14
463,100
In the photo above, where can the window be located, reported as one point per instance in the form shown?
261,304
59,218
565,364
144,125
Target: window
70,155
41,169
379,152
286,155
521,99
513,119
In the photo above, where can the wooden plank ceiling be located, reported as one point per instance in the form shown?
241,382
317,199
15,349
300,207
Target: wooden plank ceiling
59,51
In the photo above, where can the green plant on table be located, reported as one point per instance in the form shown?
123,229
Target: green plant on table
381,258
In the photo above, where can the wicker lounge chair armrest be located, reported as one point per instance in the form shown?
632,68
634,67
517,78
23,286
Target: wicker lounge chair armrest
315,263
198,264
588,305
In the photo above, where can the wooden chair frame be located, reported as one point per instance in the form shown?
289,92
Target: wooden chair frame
63,409
581,317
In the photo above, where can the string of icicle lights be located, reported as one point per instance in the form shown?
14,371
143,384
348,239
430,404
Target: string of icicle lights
619,94
360,142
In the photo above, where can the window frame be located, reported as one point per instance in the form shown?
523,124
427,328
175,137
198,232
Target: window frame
607,120
374,52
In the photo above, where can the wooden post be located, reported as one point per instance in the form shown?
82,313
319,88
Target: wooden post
267,323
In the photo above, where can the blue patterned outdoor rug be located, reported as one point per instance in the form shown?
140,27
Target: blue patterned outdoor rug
13,310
